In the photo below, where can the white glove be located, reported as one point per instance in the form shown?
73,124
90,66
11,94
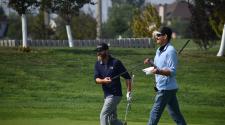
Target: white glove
148,70
129,97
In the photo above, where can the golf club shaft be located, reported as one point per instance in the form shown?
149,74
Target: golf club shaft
118,75
183,47
128,103
125,72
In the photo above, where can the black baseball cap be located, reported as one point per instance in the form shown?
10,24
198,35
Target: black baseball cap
165,30
101,46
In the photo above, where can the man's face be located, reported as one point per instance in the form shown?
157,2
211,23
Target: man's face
160,39
102,55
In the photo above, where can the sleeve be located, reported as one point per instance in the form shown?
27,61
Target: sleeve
122,69
96,72
172,62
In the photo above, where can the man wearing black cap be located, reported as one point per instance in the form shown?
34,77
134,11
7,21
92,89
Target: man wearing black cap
165,73
106,70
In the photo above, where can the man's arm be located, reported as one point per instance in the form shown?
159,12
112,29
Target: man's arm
171,65
106,80
129,88
171,60
165,72
128,83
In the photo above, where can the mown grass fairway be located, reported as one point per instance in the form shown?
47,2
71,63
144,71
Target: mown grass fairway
63,122
56,86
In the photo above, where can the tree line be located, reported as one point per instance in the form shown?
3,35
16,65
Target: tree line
126,18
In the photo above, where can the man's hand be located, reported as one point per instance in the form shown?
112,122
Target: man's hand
146,61
107,80
129,96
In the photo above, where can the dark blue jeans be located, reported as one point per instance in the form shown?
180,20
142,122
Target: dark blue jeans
165,98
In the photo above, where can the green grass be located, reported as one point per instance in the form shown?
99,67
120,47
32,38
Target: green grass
49,85
63,122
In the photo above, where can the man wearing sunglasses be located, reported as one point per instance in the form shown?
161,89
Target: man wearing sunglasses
165,62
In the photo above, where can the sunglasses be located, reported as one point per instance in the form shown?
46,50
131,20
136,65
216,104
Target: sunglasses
159,34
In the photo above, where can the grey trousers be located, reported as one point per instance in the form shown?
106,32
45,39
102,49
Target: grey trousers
108,115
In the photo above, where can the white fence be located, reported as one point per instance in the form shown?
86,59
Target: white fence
124,43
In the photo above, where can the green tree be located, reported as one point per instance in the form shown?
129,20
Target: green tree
181,27
119,21
2,18
67,9
44,18
12,32
119,18
202,32
83,27
2,13
38,28
137,3
215,10
145,22
60,33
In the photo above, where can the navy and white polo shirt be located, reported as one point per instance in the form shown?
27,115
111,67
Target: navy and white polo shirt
113,68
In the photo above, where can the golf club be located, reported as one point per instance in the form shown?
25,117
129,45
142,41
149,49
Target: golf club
128,103
126,71
183,46
150,61
127,109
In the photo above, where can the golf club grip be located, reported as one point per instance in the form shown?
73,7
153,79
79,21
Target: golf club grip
152,63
